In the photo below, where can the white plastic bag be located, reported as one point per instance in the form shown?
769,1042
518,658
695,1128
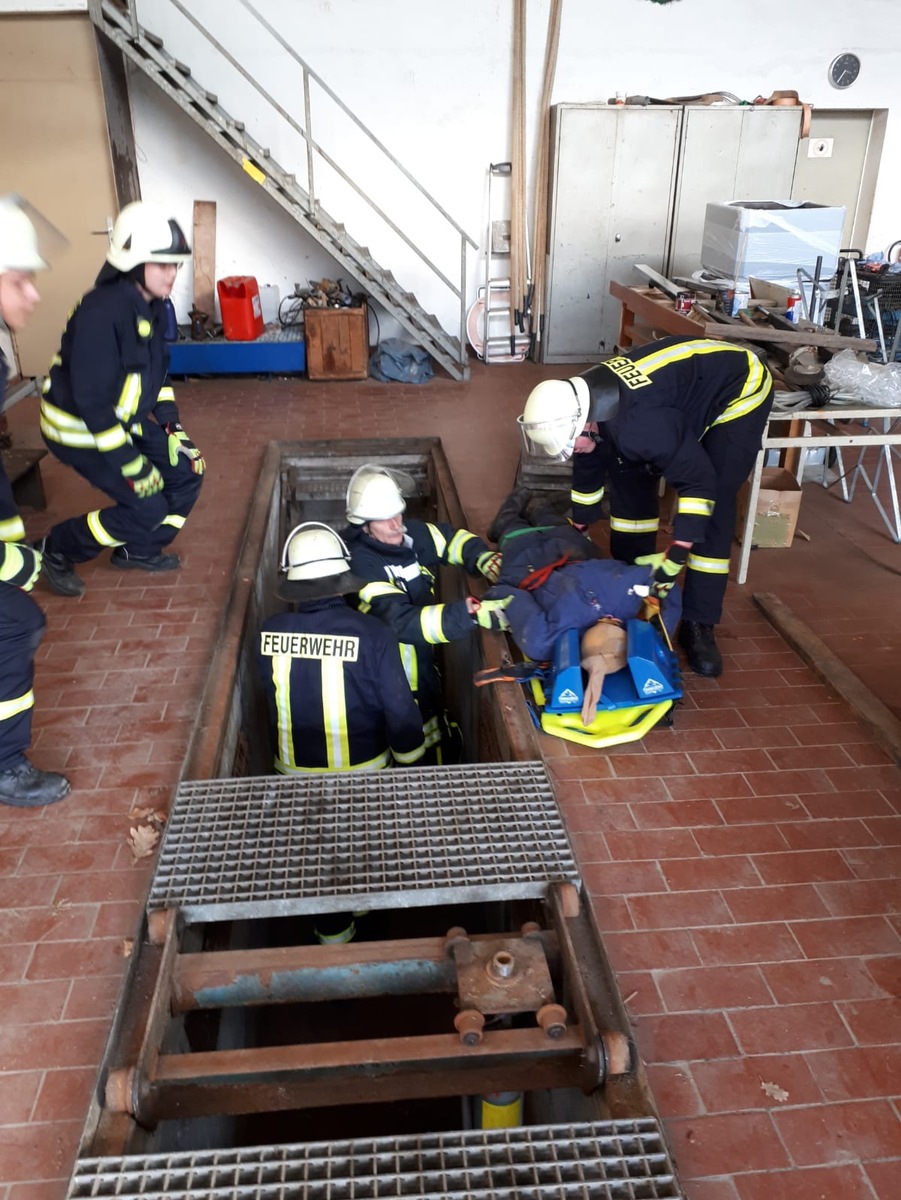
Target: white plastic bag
878,384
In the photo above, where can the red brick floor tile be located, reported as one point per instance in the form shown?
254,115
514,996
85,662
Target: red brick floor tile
670,814
798,758
63,960
744,839
860,804
52,1044
861,897
834,1133
639,992
883,862
622,878
886,830
725,1144
857,1073
827,979
873,1022
762,737
674,1089
813,1183
779,783
708,787
746,810
673,1037
678,910
885,973
736,944
630,791
772,903
30,1152
789,1028
883,1177
657,766
833,938
809,866
652,844
706,988
721,1188
651,951
589,847
739,1084
826,835
27,1003
18,1090
733,871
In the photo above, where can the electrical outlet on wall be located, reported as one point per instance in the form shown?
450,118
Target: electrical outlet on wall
820,147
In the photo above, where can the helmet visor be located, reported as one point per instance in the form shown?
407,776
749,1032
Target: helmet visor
555,438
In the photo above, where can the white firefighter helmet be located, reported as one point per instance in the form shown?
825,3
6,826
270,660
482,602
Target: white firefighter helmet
554,416
316,563
373,494
18,238
143,233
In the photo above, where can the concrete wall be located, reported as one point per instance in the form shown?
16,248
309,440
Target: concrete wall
432,81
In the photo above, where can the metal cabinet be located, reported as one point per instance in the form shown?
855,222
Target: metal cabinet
631,185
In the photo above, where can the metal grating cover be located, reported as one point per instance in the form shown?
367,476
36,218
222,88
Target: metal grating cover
604,1160
275,846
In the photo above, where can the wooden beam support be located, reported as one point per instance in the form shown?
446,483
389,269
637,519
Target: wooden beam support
205,256
868,708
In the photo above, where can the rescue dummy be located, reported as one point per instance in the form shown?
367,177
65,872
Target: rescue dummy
692,410
398,560
108,409
602,653
22,623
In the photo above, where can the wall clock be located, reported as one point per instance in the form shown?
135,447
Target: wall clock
843,70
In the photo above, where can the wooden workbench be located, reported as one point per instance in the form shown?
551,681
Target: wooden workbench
648,314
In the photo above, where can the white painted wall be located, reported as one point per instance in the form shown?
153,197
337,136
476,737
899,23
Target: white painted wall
432,81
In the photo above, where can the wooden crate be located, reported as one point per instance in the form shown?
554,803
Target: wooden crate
337,342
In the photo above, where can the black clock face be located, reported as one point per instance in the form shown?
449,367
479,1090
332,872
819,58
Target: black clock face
844,70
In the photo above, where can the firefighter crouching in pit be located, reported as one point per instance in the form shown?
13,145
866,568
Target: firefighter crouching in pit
109,412
338,694
21,620
399,564
690,409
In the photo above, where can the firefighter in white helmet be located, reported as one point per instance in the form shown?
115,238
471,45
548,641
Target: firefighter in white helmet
108,408
692,410
399,560
339,698
22,623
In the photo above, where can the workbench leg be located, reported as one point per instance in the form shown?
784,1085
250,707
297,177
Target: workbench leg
626,322
748,530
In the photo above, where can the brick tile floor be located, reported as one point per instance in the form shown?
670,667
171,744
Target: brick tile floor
743,864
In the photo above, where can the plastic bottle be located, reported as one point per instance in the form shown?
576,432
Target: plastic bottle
742,297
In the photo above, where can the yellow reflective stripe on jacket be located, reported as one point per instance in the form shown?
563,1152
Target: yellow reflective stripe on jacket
587,498
410,662
457,545
281,678
650,363
410,756
174,520
334,712
129,397
12,708
372,590
374,764
68,430
98,533
709,566
134,467
432,732
755,391
431,623
166,393
695,506
622,525
438,539
12,529
112,438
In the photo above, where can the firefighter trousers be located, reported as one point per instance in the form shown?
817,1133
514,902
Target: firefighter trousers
732,448
142,526
21,630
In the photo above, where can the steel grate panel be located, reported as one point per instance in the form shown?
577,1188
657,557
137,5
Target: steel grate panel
276,845
604,1160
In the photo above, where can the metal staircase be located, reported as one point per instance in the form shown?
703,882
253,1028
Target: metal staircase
118,20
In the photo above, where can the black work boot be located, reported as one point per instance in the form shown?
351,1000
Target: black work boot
58,571
700,648
25,786
151,562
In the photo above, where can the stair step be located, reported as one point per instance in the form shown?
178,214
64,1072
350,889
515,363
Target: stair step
182,68
156,42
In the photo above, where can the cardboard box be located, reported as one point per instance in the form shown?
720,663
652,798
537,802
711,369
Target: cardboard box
771,238
778,505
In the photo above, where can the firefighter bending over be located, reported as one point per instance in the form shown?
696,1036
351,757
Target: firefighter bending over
692,410
21,621
399,562
109,411
338,696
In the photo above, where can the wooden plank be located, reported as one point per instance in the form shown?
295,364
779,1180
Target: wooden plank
868,708
804,337
205,256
